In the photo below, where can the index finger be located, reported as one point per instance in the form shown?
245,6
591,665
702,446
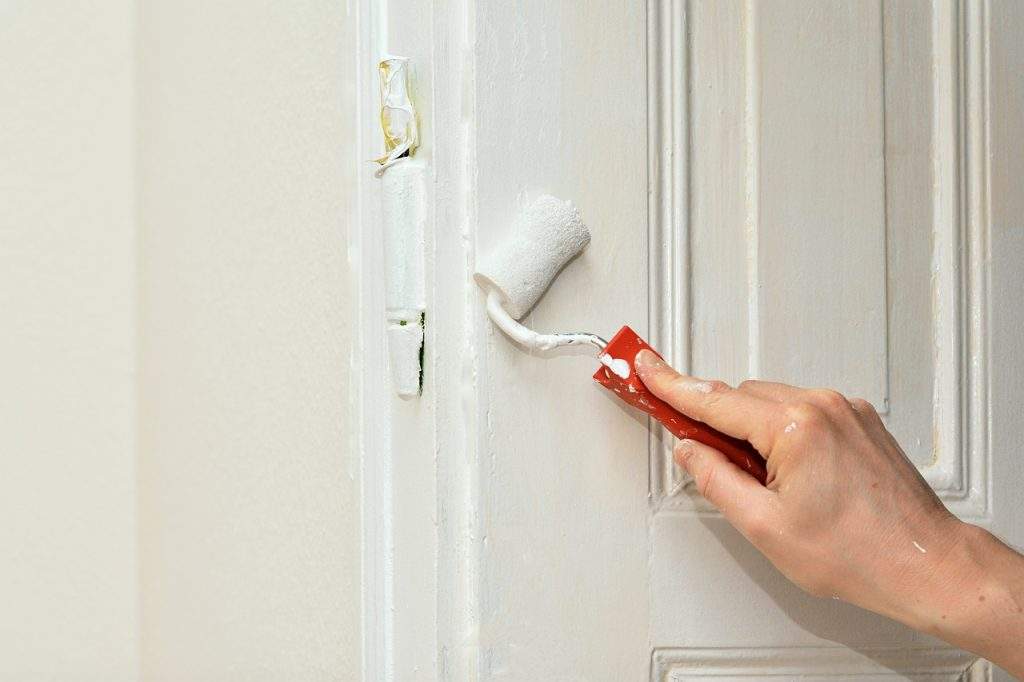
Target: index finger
736,413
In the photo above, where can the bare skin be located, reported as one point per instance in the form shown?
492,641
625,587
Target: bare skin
845,514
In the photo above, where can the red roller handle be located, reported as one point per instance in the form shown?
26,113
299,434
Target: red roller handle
624,346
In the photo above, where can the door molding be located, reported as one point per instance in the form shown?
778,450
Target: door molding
421,537
958,442
816,663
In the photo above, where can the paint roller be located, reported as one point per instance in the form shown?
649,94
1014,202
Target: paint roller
514,275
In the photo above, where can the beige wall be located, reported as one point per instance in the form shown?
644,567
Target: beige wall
68,585
248,486
178,486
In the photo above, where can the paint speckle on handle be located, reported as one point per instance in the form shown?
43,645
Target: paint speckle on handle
617,365
790,428
920,549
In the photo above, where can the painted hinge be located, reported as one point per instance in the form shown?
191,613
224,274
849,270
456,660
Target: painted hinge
404,214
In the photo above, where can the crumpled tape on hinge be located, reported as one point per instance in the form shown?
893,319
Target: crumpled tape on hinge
397,113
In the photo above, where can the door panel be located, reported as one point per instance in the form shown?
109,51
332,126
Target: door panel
852,254
791,190
824,166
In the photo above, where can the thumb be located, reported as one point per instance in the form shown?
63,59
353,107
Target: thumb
737,494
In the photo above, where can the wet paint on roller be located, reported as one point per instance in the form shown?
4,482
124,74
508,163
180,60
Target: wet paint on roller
545,236
624,347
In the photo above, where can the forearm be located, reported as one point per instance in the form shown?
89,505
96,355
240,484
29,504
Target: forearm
975,599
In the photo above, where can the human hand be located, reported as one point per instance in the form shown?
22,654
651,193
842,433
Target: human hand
844,514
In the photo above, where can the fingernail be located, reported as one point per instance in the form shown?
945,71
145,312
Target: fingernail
648,360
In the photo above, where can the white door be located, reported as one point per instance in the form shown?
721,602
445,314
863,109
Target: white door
824,193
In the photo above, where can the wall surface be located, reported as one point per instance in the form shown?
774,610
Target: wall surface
248,484
179,487
68,586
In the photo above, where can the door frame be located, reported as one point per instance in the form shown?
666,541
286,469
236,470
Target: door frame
420,523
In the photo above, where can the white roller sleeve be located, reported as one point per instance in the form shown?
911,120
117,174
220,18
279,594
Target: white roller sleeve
546,236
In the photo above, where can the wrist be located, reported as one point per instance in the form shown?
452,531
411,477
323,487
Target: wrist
973,596
942,598
919,587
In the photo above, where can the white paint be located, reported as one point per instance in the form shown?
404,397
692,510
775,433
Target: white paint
530,339
790,427
918,661
737,61
927,385
722,71
533,69
414,493
542,240
954,426
404,216
820,246
920,549
404,344
733,86
617,365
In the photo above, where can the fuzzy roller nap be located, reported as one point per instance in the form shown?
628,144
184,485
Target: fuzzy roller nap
547,235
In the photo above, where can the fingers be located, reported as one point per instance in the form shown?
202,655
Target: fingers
865,409
770,390
862,406
733,412
739,497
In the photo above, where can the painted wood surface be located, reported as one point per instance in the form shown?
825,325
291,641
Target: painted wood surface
817,192
925,370
560,109
830,151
